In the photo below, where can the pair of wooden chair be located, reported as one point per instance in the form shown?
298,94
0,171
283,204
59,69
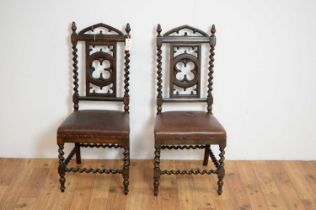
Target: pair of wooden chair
173,129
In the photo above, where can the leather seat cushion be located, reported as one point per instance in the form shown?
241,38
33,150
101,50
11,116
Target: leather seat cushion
100,123
191,125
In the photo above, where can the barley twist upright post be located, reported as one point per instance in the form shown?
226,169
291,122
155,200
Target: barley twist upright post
210,68
75,96
126,71
159,71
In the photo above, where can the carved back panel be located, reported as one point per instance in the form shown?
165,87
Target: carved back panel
100,69
101,42
185,71
185,44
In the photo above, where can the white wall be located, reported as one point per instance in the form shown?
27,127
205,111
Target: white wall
264,80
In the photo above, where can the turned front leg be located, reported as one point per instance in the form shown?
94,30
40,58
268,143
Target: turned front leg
156,169
221,169
125,171
61,167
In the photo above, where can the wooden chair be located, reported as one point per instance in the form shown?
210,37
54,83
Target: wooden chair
97,128
187,129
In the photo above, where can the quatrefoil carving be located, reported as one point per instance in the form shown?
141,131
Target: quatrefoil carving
101,70
185,72
186,76
100,59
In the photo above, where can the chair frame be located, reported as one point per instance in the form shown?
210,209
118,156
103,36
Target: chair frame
183,40
98,141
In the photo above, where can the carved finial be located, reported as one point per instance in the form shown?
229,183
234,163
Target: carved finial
73,26
213,37
213,30
128,29
159,29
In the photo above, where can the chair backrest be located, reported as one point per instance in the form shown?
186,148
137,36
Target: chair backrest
185,44
100,53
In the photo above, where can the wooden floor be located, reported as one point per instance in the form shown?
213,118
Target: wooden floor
33,184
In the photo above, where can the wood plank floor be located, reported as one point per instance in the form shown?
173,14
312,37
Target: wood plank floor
33,184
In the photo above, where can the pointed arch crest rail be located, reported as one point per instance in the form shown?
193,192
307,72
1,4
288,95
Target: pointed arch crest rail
180,35
100,32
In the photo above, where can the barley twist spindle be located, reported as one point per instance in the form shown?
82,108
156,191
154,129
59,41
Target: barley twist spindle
156,169
126,71
159,71
75,97
221,169
210,74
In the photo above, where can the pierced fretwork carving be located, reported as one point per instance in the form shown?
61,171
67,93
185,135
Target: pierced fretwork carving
100,29
185,30
100,69
185,71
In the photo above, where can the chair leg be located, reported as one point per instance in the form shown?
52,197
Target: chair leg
78,154
61,167
213,158
206,154
126,170
156,169
221,169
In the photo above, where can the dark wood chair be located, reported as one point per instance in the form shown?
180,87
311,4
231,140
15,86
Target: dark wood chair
97,128
187,129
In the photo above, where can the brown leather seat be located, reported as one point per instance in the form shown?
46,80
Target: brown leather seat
97,123
188,125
